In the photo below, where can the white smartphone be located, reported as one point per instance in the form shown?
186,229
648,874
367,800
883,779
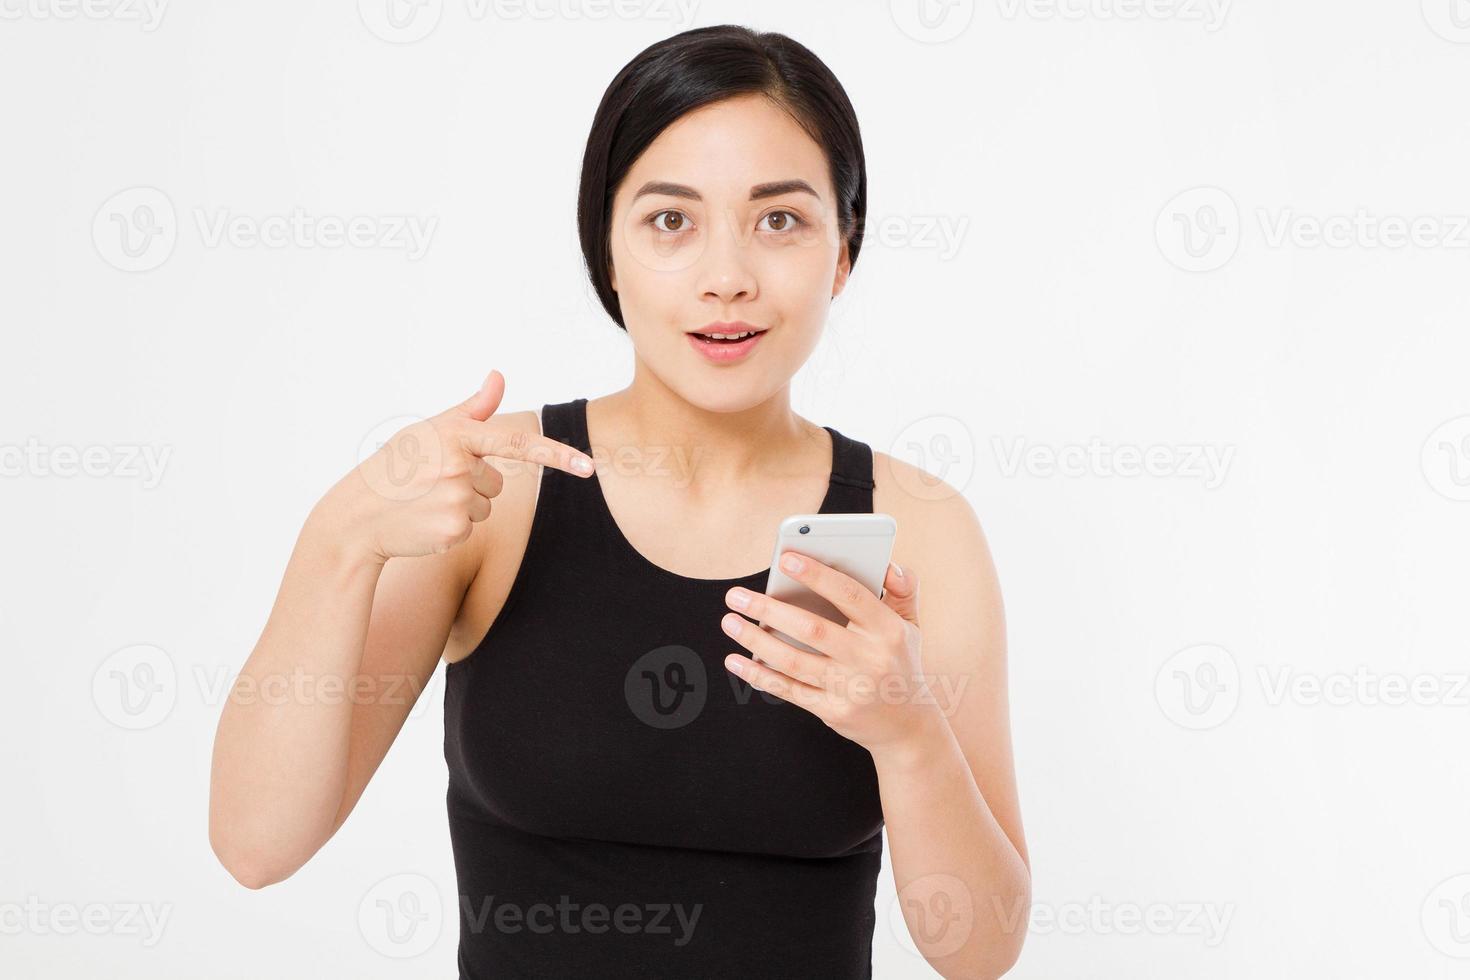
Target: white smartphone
859,545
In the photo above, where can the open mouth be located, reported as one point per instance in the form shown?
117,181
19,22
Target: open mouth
727,338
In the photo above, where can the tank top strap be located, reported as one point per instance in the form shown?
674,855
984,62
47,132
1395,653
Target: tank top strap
851,488
566,422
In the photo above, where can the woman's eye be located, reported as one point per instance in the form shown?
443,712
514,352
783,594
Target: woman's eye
677,221
783,220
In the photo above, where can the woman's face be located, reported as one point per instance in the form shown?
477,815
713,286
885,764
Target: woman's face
729,216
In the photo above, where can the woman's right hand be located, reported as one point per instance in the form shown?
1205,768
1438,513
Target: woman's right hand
423,491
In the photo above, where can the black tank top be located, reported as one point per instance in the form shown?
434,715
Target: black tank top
620,804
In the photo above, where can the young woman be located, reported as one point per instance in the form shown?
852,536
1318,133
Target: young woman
631,793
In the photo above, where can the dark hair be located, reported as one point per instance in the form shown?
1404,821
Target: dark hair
693,69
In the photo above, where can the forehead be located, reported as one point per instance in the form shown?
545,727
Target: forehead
726,147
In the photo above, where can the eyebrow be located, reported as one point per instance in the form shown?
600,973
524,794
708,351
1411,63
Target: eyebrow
759,191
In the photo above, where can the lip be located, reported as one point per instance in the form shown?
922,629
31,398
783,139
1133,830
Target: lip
724,352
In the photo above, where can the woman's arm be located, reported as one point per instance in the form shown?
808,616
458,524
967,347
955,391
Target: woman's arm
925,692
350,643
950,803
369,597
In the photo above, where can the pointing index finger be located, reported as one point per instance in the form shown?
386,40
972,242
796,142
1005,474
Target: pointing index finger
484,439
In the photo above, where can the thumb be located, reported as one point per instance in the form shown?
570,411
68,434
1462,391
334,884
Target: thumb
483,403
901,592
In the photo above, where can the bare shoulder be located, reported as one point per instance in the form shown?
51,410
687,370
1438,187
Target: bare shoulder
941,538
498,542
933,515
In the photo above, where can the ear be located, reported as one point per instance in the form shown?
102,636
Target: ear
844,269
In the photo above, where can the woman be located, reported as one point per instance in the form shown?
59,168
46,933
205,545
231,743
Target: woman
596,833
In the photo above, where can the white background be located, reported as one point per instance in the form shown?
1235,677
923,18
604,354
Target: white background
1041,287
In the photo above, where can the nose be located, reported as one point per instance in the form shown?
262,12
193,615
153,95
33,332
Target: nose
724,268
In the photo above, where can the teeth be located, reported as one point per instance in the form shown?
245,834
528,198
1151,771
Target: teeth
730,336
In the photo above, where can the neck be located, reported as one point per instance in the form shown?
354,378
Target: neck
650,428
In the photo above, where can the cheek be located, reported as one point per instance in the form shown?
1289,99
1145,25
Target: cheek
799,278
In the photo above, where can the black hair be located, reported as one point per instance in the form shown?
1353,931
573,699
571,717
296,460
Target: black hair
696,68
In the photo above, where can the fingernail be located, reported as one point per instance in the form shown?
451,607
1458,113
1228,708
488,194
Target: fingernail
581,464
739,598
791,563
732,624
897,570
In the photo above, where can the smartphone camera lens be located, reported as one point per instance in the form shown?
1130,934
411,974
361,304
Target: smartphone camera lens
804,529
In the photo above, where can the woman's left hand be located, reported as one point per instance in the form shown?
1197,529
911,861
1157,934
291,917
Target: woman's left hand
870,687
